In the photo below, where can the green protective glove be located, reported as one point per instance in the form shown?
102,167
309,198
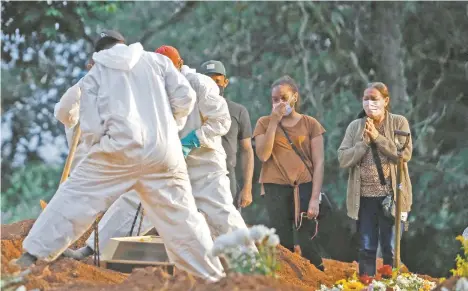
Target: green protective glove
189,142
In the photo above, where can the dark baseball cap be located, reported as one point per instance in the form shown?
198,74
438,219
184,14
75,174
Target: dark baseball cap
106,36
213,67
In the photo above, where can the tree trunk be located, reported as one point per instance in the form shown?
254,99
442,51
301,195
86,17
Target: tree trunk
387,17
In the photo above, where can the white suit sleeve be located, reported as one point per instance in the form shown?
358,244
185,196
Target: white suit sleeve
90,120
214,112
180,122
67,110
181,95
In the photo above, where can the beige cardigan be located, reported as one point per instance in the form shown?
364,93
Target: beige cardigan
353,148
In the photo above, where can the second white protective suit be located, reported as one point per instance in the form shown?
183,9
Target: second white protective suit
129,100
206,167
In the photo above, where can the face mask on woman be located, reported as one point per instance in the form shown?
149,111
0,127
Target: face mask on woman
288,106
374,107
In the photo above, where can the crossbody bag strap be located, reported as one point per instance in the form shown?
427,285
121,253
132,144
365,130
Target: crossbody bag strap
378,163
297,151
297,209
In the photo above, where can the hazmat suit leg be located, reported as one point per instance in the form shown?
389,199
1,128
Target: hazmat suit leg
97,182
165,197
92,186
118,220
211,189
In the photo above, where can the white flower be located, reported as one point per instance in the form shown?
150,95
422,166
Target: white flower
226,245
465,233
379,286
258,232
217,249
325,288
243,237
225,241
273,240
462,284
402,281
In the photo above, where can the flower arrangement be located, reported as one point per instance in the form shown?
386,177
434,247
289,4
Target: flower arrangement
386,279
459,281
249,251
462,262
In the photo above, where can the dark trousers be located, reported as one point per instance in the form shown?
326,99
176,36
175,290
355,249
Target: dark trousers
279,202
234,191
374,227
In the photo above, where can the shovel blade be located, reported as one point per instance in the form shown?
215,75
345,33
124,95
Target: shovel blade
43,204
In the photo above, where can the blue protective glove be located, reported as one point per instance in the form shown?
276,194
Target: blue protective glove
189,142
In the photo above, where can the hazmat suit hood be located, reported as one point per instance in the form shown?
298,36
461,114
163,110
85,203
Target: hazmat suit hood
120,56
185,70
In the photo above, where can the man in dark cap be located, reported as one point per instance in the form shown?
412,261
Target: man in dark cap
107,39
240,133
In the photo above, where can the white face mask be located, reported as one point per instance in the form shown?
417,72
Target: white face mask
374,108
288,106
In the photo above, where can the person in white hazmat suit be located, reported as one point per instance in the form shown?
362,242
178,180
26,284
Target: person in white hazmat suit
129,102
67,112
206,163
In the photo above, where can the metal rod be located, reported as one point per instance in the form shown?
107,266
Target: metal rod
134,220
396,258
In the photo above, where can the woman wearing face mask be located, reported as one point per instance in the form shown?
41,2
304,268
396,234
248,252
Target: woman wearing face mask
283,171
369,150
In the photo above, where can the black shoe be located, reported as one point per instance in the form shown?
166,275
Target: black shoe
78,254
26,260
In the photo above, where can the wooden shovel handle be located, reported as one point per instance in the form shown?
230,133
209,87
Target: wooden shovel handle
71,153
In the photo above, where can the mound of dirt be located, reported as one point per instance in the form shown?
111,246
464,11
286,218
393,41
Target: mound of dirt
68,271
152,278
296,273
19,230
16,231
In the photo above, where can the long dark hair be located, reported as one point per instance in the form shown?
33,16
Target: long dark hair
286,80
382,88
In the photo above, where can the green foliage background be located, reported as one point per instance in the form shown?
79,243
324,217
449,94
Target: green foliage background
332,49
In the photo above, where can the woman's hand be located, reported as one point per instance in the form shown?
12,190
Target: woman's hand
365,137
370,129
278,112
314,208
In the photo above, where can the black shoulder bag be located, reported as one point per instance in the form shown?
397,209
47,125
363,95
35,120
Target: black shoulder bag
388,204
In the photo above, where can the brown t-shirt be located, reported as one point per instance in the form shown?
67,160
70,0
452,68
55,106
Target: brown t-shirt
284,161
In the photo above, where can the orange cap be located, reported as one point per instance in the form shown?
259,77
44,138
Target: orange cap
170,52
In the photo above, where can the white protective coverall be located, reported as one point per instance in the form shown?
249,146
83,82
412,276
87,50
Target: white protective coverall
67,111
206,168
129,102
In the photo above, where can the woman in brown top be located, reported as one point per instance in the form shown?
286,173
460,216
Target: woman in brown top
369,150
283,171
